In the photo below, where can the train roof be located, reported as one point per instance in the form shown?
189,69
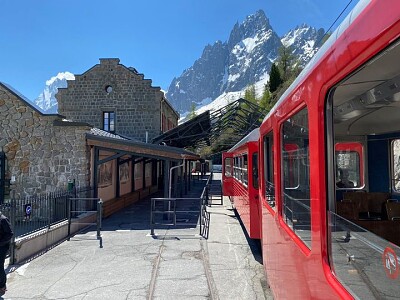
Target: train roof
315,60
253,136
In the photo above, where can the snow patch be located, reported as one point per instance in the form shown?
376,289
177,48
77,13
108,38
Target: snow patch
60,76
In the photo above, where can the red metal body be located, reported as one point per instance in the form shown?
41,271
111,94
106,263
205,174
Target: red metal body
227,179
294,270
243,187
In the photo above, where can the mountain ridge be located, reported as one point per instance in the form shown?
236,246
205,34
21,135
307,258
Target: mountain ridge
244,59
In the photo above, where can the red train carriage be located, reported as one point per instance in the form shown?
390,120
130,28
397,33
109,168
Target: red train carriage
240,181
329,168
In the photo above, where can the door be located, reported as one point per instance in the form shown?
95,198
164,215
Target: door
227,171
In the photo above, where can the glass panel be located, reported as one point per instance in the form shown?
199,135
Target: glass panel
296,181
244,170
255,170
363,262
396,165
228,167
269,170
348,169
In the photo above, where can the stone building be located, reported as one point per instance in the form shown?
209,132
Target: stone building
119,100
39,152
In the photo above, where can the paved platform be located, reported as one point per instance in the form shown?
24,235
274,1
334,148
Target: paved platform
177,264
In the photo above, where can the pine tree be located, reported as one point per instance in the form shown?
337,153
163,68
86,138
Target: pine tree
266,100
275,79
250,94
192,112
286,60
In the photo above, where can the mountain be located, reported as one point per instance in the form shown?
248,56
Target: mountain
47,100
244,59
304,41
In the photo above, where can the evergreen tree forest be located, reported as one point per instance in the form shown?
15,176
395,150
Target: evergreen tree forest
283,72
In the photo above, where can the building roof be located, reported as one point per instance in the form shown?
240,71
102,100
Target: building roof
25,100
118,144
235,121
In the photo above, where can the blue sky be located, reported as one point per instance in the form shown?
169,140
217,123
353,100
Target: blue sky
160,38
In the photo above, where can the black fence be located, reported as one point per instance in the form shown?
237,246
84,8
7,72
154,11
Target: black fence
31,214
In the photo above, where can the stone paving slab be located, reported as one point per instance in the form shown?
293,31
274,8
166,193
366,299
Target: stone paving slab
177,264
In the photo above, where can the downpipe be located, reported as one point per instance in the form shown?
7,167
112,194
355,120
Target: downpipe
170,176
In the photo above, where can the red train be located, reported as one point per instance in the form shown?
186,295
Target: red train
320,185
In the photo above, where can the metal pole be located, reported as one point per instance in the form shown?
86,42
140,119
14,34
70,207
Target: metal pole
12,221
170,177
69,202
151,216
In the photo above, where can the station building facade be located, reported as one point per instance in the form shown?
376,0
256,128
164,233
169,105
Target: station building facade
117,99
98,138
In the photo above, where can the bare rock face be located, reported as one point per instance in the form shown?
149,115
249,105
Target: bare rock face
243,60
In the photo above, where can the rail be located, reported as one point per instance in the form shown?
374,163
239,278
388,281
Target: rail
184,212
83,210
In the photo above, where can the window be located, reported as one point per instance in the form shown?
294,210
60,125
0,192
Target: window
244,170
296,176
349,171
228,167
109,121
255,170
269,170
363,147
395,153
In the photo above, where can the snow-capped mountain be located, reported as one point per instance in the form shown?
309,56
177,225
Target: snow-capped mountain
47,100
304,41
244,59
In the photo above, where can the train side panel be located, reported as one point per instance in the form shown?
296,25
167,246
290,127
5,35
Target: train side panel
297,247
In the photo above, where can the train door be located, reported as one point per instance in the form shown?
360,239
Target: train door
227,172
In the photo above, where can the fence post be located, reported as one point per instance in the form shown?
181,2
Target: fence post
12,221
99,217
69,202
151,216
48,200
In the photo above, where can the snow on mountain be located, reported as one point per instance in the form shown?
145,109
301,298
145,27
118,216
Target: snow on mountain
226,98
304,41
47,100
244,59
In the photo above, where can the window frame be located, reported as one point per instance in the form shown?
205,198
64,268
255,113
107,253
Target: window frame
107,127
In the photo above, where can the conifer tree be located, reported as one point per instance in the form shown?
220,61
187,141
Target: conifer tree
266,100
275,79
286,61
250,94
192,112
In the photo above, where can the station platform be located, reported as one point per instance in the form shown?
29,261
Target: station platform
176,263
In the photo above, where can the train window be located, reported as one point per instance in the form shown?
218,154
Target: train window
244,170
395,158
349,165
364,226
291,166
254,163
269,170
295,175
228,167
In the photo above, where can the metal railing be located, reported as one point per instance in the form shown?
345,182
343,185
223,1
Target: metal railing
34,213
80,210
187,212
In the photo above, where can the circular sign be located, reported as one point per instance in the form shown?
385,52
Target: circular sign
390,263
28,209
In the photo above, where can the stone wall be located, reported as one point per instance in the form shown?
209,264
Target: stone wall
170,114
136,103
40,155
